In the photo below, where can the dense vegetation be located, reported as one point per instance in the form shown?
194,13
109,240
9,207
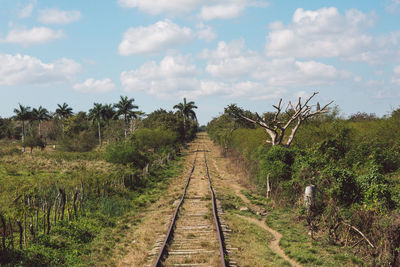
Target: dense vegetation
54,202
353,162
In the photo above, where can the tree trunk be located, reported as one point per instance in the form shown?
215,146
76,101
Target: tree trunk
40,124
99,129
23,131
23,136
126,127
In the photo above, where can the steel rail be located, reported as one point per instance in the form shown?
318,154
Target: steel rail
222,249
163,249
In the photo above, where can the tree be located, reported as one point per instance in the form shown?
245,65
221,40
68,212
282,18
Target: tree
96,115
41,114
63,112
22,114
293,116
107,114
125,109
185,110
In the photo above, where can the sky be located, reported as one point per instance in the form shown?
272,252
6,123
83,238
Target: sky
213,52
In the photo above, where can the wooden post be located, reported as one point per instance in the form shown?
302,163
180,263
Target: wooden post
268,187
48,217
309,196
20,233
11,232
3,221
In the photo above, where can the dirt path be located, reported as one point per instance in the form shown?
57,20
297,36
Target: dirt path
230,178
274,245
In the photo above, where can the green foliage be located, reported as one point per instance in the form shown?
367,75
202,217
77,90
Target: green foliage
82,141
154,138
375,189
344,185
275,162
125,153
33,141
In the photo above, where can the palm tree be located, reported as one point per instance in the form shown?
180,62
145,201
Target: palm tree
22,114
185,110
125,108
108,113
96,115
41,114
63,111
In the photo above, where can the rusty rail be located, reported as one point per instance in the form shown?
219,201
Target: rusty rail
222,249
163,249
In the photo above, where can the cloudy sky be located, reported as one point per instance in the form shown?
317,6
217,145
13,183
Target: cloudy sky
215,52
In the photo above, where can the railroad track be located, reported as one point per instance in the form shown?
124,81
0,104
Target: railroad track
195,235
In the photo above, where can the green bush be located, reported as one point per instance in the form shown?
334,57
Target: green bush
275,162
84,141
344,186
375,189
125,153
33,141
154,139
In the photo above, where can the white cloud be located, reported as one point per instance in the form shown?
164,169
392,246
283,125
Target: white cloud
323,33
206,33
162,6
154,38
36,35
396,75
225,50
27,70
216,8
392,6
95,86
26,10
56,16
221,11
162,80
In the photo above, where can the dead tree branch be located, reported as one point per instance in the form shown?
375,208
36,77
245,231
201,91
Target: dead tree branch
297,114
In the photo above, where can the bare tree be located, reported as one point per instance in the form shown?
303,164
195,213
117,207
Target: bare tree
294,116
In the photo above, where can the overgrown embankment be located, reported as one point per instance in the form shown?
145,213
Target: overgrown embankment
353,163
57,207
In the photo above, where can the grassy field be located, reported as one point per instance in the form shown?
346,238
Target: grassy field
112,194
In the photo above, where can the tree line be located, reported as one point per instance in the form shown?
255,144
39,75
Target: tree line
53,204
110,120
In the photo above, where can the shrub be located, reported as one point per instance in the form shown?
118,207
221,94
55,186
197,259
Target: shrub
83,142
125,153
154,138
344,188
375,189
33,141
275,162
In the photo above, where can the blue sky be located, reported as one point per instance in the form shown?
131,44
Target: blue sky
215,52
